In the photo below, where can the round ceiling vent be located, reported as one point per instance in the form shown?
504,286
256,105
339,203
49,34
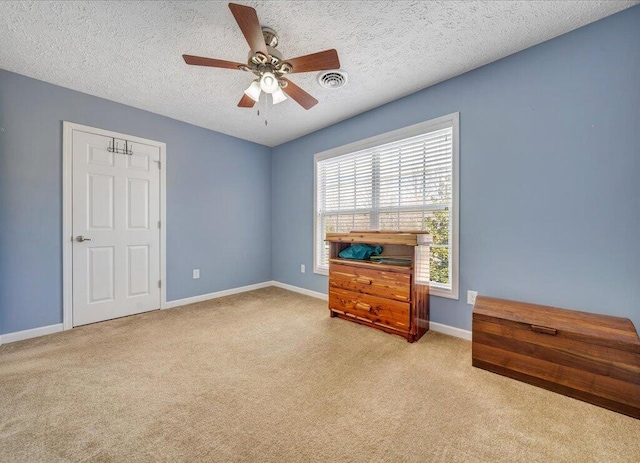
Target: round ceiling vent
332,79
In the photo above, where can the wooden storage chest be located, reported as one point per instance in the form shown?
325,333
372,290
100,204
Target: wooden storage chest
591,357
387,297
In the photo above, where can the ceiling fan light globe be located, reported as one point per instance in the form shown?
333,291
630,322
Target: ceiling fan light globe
269,82
253,91
278,96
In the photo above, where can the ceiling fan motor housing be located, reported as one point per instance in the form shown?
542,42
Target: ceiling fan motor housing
259,63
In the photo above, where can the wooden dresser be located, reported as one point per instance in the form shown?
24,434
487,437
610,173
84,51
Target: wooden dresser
591,357
387,297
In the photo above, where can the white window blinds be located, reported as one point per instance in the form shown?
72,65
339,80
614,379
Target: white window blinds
403,185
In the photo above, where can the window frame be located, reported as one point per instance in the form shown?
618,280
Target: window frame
450,120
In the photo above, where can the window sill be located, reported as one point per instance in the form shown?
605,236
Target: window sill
441,292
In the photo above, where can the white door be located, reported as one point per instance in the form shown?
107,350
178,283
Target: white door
116,235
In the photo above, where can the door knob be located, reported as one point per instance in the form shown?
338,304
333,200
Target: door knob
81,238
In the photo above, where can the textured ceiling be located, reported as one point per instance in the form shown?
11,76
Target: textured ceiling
130,52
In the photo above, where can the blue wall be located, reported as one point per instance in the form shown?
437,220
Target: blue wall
550,175
550,181
218,199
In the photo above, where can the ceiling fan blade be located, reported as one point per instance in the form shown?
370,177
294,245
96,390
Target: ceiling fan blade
214,63
247,19
246,102
300,96
320,61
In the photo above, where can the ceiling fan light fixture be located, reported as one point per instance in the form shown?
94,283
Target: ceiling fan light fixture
269,82
278,96
253,91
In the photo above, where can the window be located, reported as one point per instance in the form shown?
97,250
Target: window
401,180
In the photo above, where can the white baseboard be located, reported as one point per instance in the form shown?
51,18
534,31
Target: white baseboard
217,294
35,332
450,330
297,289
439,327
28,334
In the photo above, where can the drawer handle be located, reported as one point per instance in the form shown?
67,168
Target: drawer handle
544,330
364,281
363,306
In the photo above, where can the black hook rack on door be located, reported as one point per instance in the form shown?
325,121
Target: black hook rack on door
114,148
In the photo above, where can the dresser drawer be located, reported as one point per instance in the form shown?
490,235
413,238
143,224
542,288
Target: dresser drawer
375,309
391,285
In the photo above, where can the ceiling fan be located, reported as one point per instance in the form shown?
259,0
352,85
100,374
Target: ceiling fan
267,63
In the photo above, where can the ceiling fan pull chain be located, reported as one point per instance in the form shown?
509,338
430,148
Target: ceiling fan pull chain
261,103
265,105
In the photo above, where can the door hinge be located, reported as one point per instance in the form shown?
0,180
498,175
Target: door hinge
159,283
159,223
159,164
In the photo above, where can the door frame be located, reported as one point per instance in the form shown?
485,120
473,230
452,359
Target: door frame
67,211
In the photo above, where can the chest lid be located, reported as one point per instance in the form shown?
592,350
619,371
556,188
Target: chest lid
606,330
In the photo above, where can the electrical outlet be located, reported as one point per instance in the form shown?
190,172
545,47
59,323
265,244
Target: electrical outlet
303,268
196,273
471,297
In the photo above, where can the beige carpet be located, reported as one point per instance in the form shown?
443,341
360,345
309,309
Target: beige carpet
267,376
